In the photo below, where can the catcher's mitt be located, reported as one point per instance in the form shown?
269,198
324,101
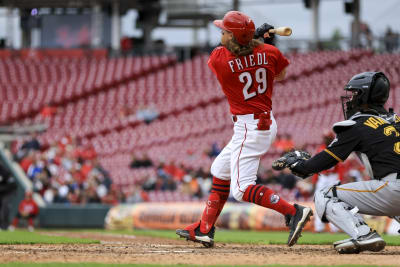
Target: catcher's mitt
290,159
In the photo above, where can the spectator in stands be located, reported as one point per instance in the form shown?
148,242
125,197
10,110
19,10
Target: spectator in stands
27,160
366,36
147,113
90,195
169,184
142,162
267,177
113,197
27,210
135,162
8,186
36,168
62,193
136,195
354,171
214,150
49,110
33,143
353,176
126,45
391,40
161,48
49,194
126,112
151,183
201,173
305,189
173,171
27,147
284,143
74,196
161,171
204,180
67,172
287,179
190,186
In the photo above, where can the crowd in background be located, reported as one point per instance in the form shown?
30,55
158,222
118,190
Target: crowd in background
66,172
69,172
197,183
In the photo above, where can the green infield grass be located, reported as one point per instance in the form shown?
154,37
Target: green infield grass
152,265
25,237
255,237
224,236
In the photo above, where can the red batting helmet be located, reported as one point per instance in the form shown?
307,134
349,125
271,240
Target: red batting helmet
241,25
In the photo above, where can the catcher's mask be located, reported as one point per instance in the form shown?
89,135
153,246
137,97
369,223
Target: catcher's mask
367,91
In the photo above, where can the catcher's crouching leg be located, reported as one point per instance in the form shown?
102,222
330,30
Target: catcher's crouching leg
204,230
330,208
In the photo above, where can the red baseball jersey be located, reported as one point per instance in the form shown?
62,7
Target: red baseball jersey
247,81
28,206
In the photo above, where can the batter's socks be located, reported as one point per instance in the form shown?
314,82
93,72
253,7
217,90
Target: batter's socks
30,222
263,196
215,203
15,222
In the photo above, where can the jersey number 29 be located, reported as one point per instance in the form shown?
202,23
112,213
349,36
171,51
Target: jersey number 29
261,79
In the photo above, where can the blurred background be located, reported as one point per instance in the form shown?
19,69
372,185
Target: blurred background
108,102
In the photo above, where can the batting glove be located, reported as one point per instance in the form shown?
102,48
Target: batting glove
260,31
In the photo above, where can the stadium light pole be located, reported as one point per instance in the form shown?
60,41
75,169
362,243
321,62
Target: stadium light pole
315,23
355,36
115,26
236,5
10,26
96,27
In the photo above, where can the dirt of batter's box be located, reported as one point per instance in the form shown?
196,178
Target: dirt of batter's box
138,249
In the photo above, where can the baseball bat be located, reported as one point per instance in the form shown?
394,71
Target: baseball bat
283,31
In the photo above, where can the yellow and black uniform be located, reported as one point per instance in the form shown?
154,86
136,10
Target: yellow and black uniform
374,134
378,137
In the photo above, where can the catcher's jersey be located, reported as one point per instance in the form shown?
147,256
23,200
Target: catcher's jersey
374,137
247,81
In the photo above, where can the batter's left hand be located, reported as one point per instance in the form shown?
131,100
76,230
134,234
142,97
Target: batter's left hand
263,31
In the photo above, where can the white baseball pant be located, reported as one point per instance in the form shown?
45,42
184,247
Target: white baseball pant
240,158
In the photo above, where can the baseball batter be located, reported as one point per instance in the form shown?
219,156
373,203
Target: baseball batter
374,134
246,69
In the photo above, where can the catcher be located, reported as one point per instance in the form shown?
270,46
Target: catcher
374,134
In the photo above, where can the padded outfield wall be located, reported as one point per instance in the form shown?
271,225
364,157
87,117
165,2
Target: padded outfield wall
240,216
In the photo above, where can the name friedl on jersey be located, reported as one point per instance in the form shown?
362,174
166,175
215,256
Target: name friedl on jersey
251,60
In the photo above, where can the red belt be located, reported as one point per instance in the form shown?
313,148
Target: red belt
256,116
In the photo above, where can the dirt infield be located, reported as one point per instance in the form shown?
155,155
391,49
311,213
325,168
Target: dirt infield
138,249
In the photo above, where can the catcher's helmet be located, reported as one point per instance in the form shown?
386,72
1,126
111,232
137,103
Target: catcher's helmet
366,91
241,26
